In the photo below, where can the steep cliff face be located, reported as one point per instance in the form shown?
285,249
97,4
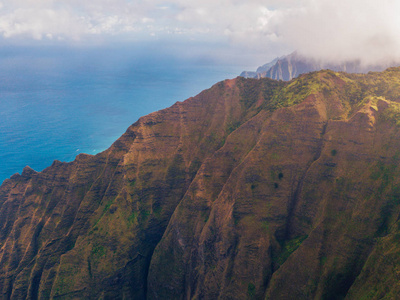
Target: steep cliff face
253,189
292,65
260,70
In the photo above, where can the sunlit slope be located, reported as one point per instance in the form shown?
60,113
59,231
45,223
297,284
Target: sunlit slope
254,189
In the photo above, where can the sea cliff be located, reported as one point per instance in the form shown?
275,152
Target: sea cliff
253,189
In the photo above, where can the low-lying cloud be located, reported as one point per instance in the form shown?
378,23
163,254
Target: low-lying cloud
344,30
333,31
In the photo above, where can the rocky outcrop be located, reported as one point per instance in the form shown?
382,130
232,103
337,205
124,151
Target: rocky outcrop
254,189
260,70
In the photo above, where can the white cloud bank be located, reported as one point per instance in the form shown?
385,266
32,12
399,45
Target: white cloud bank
368,30
344,30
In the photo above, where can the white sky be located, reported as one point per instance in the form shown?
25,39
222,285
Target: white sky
368,30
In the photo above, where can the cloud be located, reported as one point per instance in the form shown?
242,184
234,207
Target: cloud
70,20
343,30
323,29
219,18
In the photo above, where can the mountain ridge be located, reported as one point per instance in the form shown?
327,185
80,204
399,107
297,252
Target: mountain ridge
291,66
254,189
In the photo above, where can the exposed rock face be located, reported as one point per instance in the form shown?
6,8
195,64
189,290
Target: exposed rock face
292,65
254,189
260,70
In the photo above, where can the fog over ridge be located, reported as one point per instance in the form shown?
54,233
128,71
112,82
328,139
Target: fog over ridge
367,31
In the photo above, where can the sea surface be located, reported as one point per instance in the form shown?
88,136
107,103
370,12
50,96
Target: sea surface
56,103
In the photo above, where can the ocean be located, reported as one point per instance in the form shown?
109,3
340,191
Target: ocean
56,103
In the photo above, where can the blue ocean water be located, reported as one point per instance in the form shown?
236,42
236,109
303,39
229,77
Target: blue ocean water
57,103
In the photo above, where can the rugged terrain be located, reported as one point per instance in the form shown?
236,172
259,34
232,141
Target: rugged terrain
291,66
254,189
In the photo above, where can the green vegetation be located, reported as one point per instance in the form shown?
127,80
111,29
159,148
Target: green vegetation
384,173
132,217
391,114
107,206
144,215
132,183
98,251
289,247
250,92
205,214
253,90
251,290
294,92
265,226
232,125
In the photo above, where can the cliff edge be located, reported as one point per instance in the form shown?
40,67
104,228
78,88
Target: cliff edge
254,189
